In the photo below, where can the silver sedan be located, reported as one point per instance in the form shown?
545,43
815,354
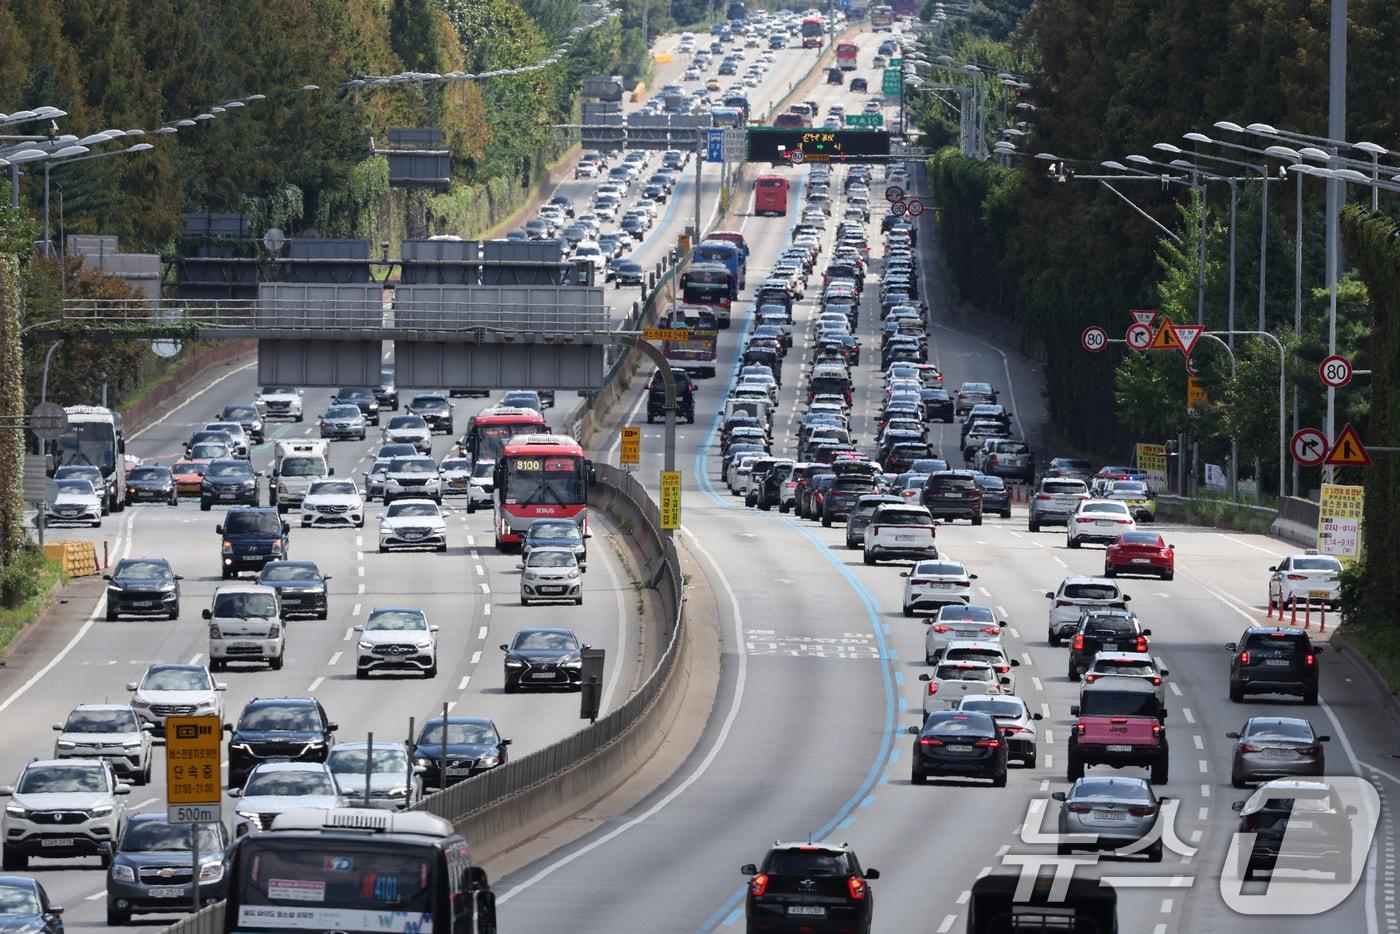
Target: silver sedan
1274,747
1109,813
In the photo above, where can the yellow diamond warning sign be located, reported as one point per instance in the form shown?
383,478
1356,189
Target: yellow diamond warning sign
1165,338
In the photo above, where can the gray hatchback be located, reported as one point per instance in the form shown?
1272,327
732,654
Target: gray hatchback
1274,747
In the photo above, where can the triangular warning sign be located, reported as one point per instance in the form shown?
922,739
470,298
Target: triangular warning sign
1165,338
1348,451
1187,335
1143,315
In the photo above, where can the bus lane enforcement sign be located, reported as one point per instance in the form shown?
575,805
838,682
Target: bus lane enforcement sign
631,447
193,773
1094,339
1339,516
1138,336
665,334
1152,461
670,499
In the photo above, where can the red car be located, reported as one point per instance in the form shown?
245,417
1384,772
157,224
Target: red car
1140,553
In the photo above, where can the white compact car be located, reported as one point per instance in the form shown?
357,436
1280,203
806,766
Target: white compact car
77,501
900,531
107,731
412,523
1074,596
1306,577
1098,520
395,639
333,502
1129,665
958,621
933,584
990,651
279,402
413,477
550,574
456,475
951,681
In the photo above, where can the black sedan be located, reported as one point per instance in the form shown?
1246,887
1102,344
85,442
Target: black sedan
143,587
151,485
300,586
938,405
958,742
25,906
542,658
626,272
468,746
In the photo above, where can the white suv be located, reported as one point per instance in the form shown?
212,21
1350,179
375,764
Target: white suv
107,731
396,639
333,502
62,808
1075,595
900,531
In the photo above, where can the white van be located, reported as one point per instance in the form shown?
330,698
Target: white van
245,624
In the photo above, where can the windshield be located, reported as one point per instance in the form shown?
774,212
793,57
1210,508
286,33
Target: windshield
455,463
390,761
963,673
208,451
176,679
77,487
1272,728
1118,703
428,402
63,779
343,411
546,642
155,836
288,783
807,863
941,568
478,734
252,523
997,707
362,878
289,572
332,488
303,467
902,517
238,469
413,465
556,481
1091,592
1316,564
148,474
406,421
278,391
90,443
298,719
185,467
102,721
18,902
245,605
1112,789
551,559
397,620
567,531
403,510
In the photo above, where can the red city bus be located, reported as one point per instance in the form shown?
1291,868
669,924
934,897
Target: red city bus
540,477
489,431
846,53
697,352
770,195
813,32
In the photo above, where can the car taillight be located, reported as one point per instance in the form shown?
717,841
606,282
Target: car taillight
920,583
992,458
991,630
1077,808
1042,497
988,743
1083,519
874,530
1117,719
1063,603
758,884
1297,577
1003,669
1310,660
1142,643
1079,729
857,887
1142,810
941,628
1157,729
1310,751
1156,680
1244,657
1124,521
930,741
932,688
1090,679
1248,748
1078,644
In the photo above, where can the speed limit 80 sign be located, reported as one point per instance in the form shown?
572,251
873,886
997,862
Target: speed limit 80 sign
1094,339
1335,371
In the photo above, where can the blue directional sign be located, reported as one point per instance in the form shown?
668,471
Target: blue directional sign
714,143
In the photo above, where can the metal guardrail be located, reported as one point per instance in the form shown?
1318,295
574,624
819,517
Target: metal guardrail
497,787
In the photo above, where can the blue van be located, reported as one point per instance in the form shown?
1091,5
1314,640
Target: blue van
731,255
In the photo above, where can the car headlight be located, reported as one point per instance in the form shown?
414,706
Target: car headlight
366,645
211,872
113,588
424,645
487,762
514,663
422,762
102,810
140,702
15,810
241,747
398,793
274,631
573,573
276,548
66,744
123,873
572,663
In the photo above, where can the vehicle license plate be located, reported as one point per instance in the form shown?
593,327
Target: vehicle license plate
904,538
1110,815
811,911
551,590
143,603
1301,825
166,891
541,676
1109,647
1142,561
1118,747
959,748
57,841
226,495
457,770
1318,595
1278,753
1276,662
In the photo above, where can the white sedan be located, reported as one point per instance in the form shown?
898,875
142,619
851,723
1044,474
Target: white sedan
76,501
412,523
1013,719
1306,577
934,584
1099,520
550,574
333,502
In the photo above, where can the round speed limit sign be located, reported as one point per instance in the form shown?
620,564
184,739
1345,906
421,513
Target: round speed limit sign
1335,371
1094,339
797,156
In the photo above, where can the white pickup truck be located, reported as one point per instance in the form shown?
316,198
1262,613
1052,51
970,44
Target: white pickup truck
294,465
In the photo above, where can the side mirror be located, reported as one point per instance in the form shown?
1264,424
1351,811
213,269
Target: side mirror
286,527
359,629
1230,647
504,647
148,728
925,677
1233,734
1003,623
218,530
1127,597
1147,632
434,628
1049,595
903,573
1273,567
122,789
331,727
220,686
506,742
106,577
1058,796
1324,738
1036,716
131,685
913,731
1004,680
749,869
1171,548
179,577
1237,806
206,614
55,909
520,567
325,577
872,873
58,727
330,471
1317,650
972,577
234,793
1164,672
1074,710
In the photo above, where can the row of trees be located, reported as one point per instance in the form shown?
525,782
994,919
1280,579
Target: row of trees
1110,78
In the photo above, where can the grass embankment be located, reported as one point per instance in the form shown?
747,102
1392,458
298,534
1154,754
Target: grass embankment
1218,512
25,587
1379,642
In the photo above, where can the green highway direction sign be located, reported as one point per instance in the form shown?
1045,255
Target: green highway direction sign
893,81
896,62
865,120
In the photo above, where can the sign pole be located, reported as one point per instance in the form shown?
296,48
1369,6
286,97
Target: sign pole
442,763
369,764
194,857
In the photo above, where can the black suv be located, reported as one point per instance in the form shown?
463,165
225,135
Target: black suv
252,536
285,729
229,481
770,490
1313,817
388,393
1104,631
1273,660
362,396
433,409
144,587
685,397
949,495
809,887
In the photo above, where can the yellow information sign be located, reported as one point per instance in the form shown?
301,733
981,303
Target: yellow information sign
670,499
665,334
1152,461
193,772
1339,515
631,446
1195,392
